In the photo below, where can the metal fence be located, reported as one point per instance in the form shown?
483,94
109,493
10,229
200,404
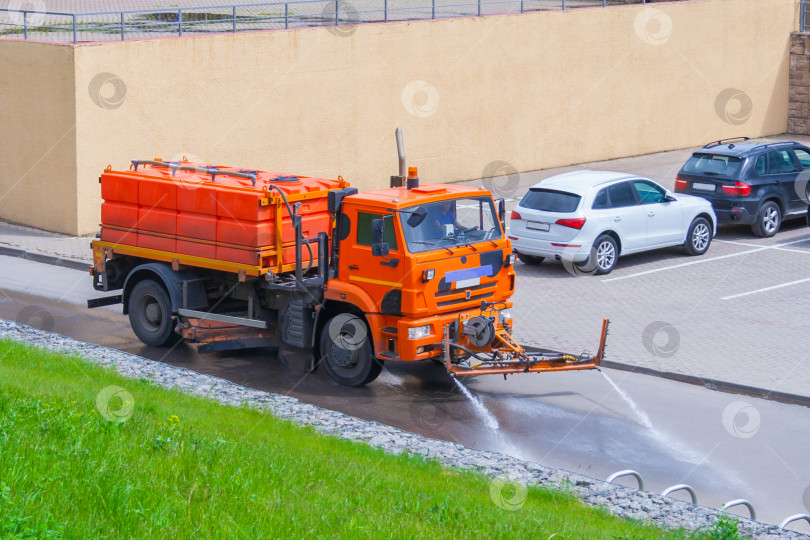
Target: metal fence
344,15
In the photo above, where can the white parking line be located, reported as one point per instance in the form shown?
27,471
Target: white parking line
766,289
777,247
703,261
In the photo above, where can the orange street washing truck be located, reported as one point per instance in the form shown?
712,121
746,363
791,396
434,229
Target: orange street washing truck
233,258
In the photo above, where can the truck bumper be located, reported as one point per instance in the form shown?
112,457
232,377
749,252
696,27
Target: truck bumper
395,343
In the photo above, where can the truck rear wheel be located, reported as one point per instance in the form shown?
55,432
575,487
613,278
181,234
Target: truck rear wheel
346,351
150,314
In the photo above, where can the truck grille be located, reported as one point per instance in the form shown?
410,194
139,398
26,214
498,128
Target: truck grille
464,300
471,288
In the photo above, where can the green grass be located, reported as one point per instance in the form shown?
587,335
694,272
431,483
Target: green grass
181,466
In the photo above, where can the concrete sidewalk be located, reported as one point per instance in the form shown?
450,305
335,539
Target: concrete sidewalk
44,246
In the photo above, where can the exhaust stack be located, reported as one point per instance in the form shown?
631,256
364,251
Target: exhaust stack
399,181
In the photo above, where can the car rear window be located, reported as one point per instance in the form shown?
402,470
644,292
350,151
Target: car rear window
713,165
549,200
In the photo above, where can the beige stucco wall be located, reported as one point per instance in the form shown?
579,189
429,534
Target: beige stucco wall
37,136
534,90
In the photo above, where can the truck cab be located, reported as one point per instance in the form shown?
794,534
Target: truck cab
420,262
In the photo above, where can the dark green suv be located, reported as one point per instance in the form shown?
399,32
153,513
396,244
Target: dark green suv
757,184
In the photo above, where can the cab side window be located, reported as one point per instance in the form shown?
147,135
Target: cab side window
649,193
621,195
364,220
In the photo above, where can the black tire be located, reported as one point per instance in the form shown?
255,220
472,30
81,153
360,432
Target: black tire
532,260
699,236
769,219
603,257
346,352
150,314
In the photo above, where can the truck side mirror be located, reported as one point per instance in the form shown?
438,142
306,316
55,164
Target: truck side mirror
378,247
502,213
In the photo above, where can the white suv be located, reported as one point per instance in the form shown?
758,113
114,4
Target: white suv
589,218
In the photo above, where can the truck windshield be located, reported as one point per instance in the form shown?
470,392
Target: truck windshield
450,223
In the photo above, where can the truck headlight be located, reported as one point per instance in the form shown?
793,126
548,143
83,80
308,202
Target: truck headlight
418,332
511,259
428,274
504,315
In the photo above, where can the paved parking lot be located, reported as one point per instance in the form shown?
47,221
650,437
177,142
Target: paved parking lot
739,313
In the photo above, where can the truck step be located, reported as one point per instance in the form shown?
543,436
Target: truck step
221,318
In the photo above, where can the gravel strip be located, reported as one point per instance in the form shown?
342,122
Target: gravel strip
619,500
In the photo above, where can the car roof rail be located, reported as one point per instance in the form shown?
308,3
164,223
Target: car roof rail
777,143
724,141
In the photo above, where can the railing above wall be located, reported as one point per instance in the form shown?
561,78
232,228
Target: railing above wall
344,15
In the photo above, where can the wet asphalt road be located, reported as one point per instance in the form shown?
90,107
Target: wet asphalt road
576,421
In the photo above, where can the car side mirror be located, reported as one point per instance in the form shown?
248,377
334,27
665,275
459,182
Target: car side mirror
669,198
502,213
417,216
378,247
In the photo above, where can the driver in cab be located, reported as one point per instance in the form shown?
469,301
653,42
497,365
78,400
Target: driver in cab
444,213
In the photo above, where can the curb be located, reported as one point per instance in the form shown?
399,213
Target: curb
43,258
714,384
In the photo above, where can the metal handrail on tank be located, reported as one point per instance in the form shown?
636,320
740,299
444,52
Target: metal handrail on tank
741,502
174,167
681,487
627,472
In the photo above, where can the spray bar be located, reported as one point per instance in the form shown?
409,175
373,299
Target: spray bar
517,360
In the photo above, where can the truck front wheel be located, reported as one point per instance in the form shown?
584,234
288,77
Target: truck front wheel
150,314
346,351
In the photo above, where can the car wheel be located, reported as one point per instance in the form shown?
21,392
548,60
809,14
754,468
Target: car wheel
532,260
603,257
150,314
346,351
699,237
769,219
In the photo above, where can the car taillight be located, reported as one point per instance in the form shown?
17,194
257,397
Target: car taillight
680,185
575,223
739,189
515,215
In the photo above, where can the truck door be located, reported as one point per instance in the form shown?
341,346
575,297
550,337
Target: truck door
381,277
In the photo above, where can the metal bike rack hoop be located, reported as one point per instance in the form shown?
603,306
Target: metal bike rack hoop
681,487
741,502
627,472
794,517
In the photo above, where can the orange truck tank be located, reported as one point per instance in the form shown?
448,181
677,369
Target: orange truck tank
234,258
224,214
